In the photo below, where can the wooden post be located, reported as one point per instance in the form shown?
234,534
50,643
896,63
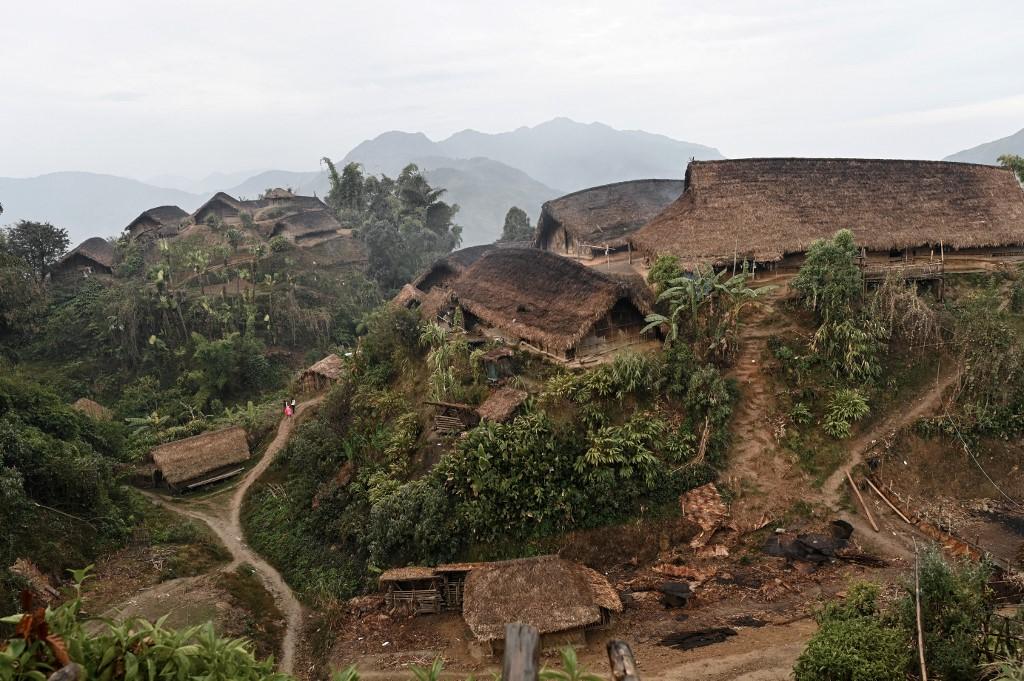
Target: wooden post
620,657
867,511
917,604
629,250
522,653
888,503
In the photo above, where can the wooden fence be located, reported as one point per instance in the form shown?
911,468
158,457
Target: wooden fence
522,656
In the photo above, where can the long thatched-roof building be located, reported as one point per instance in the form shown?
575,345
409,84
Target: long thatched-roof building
201,459
770,210
159,222
552,304
446,269
561,598
600,219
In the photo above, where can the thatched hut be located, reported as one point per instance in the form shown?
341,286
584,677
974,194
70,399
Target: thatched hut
551,304
445,270
418,588
221,205
195,461
562,599
322,374
770,210
408,297
156,223
599,220
501,405
92,257
306,225
91,408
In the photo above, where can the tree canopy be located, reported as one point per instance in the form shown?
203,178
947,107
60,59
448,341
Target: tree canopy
38,244
517,226
1014,163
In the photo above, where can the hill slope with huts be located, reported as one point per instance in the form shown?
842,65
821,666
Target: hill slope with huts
685,415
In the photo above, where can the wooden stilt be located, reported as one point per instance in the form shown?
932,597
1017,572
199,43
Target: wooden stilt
863,504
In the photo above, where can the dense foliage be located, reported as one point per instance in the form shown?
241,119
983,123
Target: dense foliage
517,226
38,244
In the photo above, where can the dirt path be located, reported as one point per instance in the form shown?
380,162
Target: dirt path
226,524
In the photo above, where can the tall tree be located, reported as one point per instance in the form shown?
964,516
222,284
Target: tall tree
38,244
517,226
1014,163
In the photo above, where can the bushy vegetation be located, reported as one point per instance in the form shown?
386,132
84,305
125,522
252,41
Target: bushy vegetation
860,638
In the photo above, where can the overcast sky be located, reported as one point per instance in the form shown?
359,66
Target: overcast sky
142,88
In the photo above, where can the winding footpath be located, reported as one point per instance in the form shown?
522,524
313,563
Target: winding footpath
229,530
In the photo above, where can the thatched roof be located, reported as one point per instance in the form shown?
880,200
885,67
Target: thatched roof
542,297
606,215
548,592
765,208
445,269
407,296
306,223
91,408
406,574
222,198
165,219
96,249
192,457
329,367
501,404
278,193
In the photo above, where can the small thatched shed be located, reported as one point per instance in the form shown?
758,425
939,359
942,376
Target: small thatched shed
201,459
305,225
322,374
553,304
91,408
587,222
94,256
278,194
561,598
770,210
501,405
221,205
159,222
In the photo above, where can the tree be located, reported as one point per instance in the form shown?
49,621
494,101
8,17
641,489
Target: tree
829,282
517,226
1014,163
235,239
38,244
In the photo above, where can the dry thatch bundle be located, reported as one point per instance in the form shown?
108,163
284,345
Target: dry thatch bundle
91,408
193,457
606,215
406,574
408,297
547,592
95,250
501,404
541,297
765,208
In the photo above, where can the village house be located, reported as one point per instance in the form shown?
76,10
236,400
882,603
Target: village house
322,374
186,464
156,223
93,257
501,405
921,217
596,222
303,220
551,304
445,270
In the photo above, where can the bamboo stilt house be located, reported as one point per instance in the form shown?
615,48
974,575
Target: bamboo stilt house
92,257
592,221
322,374
552,304
201,459
562,599
770,210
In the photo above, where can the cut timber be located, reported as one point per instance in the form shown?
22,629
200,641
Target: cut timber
620,657
867,511
522,653
888,503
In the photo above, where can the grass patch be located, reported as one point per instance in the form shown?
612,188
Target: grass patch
197,548
816,453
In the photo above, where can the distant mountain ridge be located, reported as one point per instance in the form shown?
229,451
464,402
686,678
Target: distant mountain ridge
989,152
486,174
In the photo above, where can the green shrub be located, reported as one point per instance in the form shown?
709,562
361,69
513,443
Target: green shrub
854,649
845,407
279,244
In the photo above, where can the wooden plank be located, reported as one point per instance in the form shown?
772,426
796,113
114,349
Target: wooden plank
620,657
522,653
867,511
216,478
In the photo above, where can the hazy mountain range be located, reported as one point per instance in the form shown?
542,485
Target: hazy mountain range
484,173
990,151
